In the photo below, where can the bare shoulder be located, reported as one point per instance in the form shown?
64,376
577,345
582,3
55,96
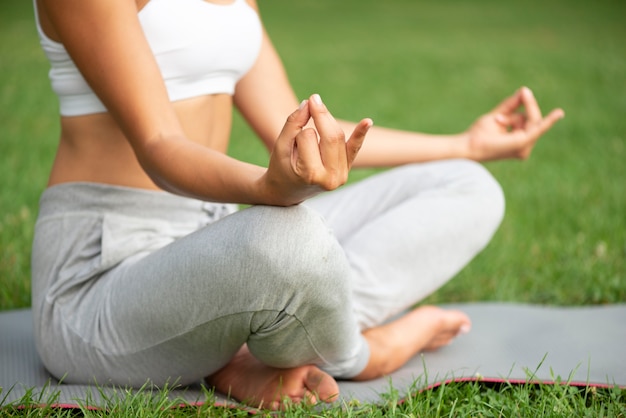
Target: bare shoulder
47,24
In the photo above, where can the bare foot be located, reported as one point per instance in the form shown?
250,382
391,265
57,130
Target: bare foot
425,328
249,381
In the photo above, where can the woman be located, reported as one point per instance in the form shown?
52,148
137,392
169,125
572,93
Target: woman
144,270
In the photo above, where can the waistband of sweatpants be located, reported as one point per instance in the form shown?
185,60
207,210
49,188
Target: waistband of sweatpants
96,197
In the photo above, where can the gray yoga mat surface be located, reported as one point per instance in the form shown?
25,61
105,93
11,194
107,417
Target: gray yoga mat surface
508,342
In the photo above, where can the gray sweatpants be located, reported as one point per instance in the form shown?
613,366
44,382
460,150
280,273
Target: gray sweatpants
132,285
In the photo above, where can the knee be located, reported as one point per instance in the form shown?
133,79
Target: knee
493,195
300,254
482,190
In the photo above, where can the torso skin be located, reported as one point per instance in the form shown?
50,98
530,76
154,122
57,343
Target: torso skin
93,148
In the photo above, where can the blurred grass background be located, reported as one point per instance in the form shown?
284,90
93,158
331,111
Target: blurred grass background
421,65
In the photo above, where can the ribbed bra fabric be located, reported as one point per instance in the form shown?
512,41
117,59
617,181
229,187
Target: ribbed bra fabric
200,47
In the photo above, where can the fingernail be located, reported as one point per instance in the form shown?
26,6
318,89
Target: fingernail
302,104
317,99
464,329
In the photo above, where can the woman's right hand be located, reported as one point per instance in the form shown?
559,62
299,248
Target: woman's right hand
308,161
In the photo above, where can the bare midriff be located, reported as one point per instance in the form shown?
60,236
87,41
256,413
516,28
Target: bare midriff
93,148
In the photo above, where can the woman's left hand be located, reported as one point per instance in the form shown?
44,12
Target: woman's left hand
509,132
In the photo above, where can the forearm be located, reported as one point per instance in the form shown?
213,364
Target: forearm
303,163
186,168
385,147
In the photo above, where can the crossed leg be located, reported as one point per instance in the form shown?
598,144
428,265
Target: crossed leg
391,346
405,233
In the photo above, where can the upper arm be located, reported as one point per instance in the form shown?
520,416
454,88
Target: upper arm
107,44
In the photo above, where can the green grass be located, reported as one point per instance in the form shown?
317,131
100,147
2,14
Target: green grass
448,400
433,67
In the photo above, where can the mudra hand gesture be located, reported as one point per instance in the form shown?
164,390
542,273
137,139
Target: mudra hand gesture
509,132
306,161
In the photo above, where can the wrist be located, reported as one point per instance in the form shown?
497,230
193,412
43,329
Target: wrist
274,192
461,146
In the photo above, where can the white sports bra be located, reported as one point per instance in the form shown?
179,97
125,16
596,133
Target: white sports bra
201,48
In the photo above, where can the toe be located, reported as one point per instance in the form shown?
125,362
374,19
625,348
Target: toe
322,384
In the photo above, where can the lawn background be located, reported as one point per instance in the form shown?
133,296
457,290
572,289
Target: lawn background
427,66
433,67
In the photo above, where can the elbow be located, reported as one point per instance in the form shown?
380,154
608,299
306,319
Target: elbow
157,159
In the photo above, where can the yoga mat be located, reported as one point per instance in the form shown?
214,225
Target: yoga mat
508,342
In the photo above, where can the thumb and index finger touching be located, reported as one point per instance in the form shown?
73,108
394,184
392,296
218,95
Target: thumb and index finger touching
297,120
332,142
536,125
